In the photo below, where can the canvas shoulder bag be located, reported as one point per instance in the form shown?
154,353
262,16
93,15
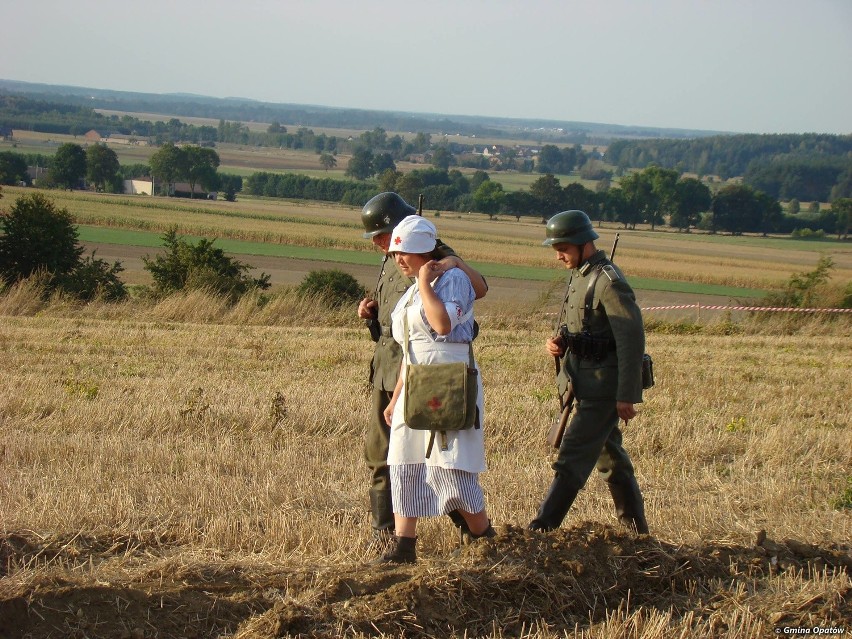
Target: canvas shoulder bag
440,397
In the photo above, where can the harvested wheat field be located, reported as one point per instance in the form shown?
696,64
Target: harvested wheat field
191,469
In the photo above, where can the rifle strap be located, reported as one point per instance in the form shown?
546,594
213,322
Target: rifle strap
590,297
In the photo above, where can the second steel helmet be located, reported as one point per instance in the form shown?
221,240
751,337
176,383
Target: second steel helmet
569,227
383,212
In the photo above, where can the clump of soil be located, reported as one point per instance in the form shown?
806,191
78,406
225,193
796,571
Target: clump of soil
560,580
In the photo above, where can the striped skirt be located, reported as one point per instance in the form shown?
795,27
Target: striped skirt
421,491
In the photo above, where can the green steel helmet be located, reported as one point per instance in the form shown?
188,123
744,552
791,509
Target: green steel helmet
383,212
571,227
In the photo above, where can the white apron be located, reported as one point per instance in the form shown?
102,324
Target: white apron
465,448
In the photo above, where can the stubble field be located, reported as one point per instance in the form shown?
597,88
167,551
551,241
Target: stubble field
190,469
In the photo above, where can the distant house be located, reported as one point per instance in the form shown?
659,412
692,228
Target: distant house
92,136
145,186
5,132
118,138
182,189
139,186
35,172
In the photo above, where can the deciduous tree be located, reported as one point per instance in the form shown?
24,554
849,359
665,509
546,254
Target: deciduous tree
201,165
382,162
692,198
488,197
442,158
101,165
169,164
550,195
13,168
842,210
69,165
361,164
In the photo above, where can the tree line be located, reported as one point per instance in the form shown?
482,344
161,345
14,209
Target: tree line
806,166
100,166
654,196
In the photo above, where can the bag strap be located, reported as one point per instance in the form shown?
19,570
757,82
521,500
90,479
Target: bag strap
462,320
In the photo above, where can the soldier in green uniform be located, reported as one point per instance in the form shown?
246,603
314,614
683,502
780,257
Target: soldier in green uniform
599,350
379,217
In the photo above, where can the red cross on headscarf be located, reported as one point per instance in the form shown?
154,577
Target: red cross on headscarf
397,240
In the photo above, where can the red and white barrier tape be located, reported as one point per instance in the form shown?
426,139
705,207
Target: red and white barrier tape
711,307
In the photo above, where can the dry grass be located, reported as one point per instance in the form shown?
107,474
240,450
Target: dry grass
192,465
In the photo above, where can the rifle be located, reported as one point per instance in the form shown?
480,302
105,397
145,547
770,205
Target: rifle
420,205
557,430
566,401
614,245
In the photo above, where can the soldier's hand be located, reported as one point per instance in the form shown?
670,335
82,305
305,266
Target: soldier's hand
555,347
367,308
445,264
626,411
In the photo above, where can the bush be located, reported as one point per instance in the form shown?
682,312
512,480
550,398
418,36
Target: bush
337,287
803,289
36,235
807,233
200,266
94,278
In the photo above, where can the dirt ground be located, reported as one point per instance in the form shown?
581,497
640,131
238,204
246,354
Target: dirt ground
561,580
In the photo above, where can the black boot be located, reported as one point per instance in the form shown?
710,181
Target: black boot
629,505
488,533
556,503
402,551
381,512
460,523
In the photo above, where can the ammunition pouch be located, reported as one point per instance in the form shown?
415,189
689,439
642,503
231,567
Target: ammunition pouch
375,328
647,372
585,345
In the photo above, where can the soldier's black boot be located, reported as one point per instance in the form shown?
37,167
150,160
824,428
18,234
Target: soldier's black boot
403,550
556,503
381,512
629,505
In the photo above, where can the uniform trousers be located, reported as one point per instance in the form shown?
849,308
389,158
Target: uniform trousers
377,440
592,439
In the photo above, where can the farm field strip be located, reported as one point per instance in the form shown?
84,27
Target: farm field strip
508,247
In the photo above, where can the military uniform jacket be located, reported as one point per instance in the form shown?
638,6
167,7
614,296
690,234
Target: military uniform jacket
614,315
387,358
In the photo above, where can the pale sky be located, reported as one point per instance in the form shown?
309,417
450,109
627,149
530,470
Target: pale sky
752,66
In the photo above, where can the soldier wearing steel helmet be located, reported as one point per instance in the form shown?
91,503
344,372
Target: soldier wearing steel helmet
599,350
379,216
